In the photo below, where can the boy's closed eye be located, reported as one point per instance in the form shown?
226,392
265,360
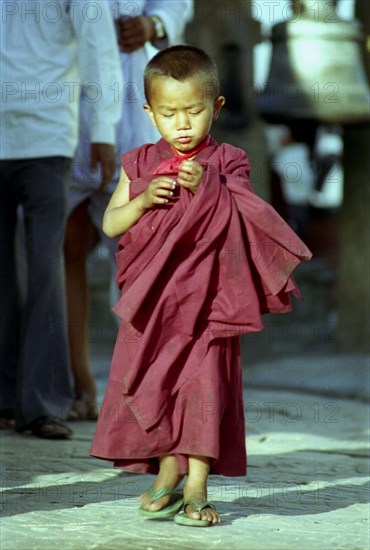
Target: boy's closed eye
193,113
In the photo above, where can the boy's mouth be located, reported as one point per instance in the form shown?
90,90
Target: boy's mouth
184,139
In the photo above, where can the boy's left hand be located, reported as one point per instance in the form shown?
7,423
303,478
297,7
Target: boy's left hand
190,175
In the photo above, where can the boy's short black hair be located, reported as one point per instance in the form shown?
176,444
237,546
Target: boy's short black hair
182,62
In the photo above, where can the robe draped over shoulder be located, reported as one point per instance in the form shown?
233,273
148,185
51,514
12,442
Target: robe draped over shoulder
197,270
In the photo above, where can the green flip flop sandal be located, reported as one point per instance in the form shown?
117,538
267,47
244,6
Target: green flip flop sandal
173,506
183,519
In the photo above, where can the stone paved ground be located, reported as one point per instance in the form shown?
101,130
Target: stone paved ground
307,486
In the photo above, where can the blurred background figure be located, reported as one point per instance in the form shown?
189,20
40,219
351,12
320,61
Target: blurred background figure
306,185
47,53
292,179
142,28
328,189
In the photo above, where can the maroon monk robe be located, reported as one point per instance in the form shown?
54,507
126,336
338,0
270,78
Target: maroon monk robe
195,274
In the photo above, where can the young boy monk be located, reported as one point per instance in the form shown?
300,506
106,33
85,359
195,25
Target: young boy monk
200,259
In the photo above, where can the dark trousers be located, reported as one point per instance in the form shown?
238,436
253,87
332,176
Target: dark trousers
34,365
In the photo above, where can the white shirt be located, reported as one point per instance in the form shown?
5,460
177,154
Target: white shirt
47,50
134,127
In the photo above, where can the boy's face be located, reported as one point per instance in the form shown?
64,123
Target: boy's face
182,111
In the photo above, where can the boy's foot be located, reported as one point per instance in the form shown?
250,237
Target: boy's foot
173,506
197,511
167,478
194,506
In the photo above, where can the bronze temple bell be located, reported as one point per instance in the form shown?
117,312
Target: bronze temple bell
316,70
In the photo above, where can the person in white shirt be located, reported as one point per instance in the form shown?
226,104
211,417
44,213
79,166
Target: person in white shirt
143,27
48,50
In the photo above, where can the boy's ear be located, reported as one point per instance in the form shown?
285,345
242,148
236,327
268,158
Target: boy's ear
218,104
150,113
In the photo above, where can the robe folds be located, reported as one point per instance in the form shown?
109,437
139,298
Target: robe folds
195,274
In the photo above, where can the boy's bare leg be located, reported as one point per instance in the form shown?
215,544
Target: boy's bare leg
168,477
196,489
80,239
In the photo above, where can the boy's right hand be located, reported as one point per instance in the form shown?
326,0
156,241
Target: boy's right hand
159,191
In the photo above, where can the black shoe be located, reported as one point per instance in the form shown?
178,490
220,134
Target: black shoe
7,420
47,427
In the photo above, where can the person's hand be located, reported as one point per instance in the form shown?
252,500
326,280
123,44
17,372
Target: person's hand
190,175
133,34
159,191
105,155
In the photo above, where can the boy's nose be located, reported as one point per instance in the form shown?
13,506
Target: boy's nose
183,121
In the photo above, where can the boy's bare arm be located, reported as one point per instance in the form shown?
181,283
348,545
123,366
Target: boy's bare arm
121,213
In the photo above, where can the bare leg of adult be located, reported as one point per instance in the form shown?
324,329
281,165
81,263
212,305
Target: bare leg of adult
196,489
168,478
80,239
